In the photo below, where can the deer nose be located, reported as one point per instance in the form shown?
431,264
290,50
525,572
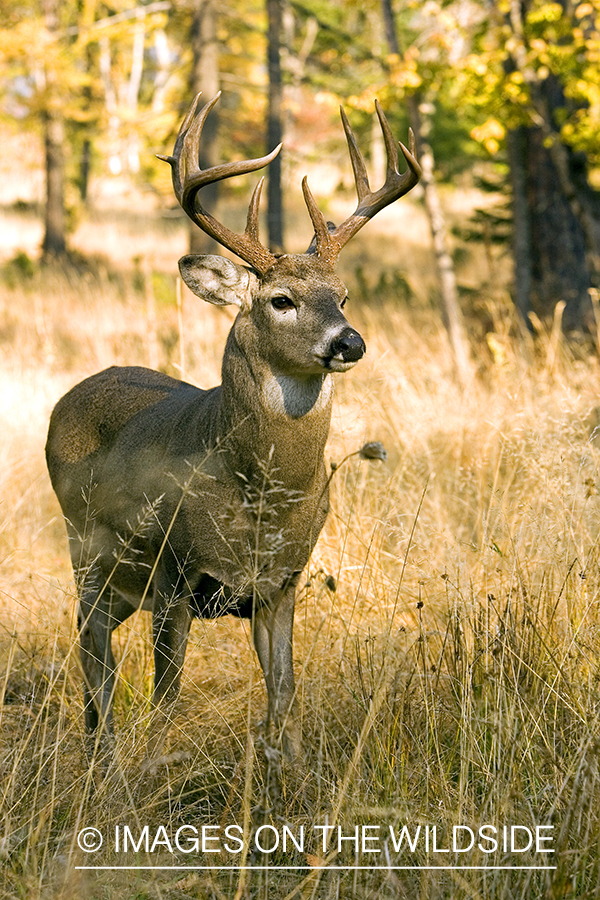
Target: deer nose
349,345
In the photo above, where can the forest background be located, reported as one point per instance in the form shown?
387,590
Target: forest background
448,635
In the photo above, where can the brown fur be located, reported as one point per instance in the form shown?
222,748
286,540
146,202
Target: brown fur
191,502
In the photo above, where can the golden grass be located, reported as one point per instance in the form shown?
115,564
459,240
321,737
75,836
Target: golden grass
451,677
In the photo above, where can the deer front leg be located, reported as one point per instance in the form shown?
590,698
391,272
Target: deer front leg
171,625
100,612
272,629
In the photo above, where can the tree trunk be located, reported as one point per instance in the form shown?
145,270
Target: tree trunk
420,124
453,316
132,95
85,164
521,230
556,230
88,128
54,243
205,78
275,125
163,60
557,242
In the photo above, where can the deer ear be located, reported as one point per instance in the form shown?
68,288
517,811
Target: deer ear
218,280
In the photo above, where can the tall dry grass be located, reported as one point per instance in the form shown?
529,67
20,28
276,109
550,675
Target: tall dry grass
447,635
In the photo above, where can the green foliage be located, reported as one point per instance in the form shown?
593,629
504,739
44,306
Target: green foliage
347,49
492,224
18,270
514,61
391,285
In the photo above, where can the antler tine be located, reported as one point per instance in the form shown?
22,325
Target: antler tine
252,221
410,157
318,220
329,244
391,149
177,160
188,151
361,178
188,178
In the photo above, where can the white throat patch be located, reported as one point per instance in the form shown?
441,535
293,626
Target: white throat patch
296,397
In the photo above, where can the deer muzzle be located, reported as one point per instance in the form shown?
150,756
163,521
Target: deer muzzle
347,347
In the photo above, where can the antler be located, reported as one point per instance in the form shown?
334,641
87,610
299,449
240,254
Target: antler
330,243
188,178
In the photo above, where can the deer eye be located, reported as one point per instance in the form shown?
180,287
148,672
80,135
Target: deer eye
280,302
343,303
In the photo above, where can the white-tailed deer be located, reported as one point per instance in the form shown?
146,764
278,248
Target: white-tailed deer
193,502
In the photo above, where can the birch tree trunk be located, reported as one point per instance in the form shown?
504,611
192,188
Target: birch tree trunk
420,123
439,235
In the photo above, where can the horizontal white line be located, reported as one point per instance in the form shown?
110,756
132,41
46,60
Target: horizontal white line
318,868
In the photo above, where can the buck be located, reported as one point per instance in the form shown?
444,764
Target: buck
198,503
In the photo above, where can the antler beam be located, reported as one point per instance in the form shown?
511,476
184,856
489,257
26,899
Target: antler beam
188,178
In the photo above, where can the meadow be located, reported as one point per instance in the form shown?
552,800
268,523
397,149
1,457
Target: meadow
447,637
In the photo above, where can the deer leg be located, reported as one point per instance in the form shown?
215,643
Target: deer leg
171,625
100,612
272,629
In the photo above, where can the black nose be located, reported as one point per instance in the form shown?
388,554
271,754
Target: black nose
349,345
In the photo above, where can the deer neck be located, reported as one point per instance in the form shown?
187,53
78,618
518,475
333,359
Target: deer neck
268,415
286,399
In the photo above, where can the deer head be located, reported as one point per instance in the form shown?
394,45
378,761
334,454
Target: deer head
298,297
